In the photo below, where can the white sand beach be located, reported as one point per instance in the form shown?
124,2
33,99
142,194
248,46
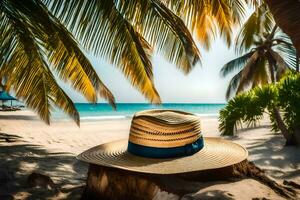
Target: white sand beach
51,150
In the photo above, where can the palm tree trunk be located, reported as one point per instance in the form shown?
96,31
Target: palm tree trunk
272,73
285,18
279,121
283,129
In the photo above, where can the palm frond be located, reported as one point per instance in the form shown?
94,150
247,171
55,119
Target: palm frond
51,47
26,72
233,84
207,18
248,72
247,108
102,29
65,55
259,23
222,13
286,49
244,77
235,64
282,66
163,30
238,9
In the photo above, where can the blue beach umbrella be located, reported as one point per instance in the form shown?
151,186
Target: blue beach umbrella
4,96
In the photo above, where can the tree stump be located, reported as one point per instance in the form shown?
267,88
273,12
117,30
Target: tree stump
110,183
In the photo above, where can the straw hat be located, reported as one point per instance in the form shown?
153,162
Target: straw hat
166,142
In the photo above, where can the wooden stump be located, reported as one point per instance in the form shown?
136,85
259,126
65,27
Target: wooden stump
110,183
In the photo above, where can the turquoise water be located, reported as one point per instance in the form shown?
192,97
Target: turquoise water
105,111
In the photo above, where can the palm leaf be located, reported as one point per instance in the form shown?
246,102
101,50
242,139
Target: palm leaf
252,72
222,13
64,53
26,72
235,64
282,66
208,17
238,9
233,84
37,38
259,23
248,72
286,49
102,29
163,30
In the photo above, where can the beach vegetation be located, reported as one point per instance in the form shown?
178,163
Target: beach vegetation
280,101
267,53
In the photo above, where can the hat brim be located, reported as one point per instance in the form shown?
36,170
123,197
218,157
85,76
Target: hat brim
217,153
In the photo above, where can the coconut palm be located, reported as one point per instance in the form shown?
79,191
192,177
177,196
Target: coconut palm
33,46
36,49
286,15
269,53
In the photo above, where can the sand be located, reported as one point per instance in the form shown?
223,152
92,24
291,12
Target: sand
51,150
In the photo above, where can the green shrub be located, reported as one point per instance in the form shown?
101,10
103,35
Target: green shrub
249,107
289,100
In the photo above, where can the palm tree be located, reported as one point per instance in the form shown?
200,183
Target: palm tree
286,15
36,49
270,53
36,44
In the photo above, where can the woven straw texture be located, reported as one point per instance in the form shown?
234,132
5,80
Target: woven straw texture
217,153
164,128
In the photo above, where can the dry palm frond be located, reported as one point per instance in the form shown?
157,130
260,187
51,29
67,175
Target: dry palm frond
33,44
208,17
259,23
103,30
164,30
27,73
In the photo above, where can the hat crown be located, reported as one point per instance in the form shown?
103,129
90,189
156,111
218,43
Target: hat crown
164,128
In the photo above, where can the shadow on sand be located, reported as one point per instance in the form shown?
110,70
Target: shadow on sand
271,154
18,160
18,117
274,154
211,195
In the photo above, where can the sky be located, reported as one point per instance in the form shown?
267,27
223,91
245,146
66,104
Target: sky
202,85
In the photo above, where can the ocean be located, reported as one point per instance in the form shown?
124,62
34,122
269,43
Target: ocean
103,111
